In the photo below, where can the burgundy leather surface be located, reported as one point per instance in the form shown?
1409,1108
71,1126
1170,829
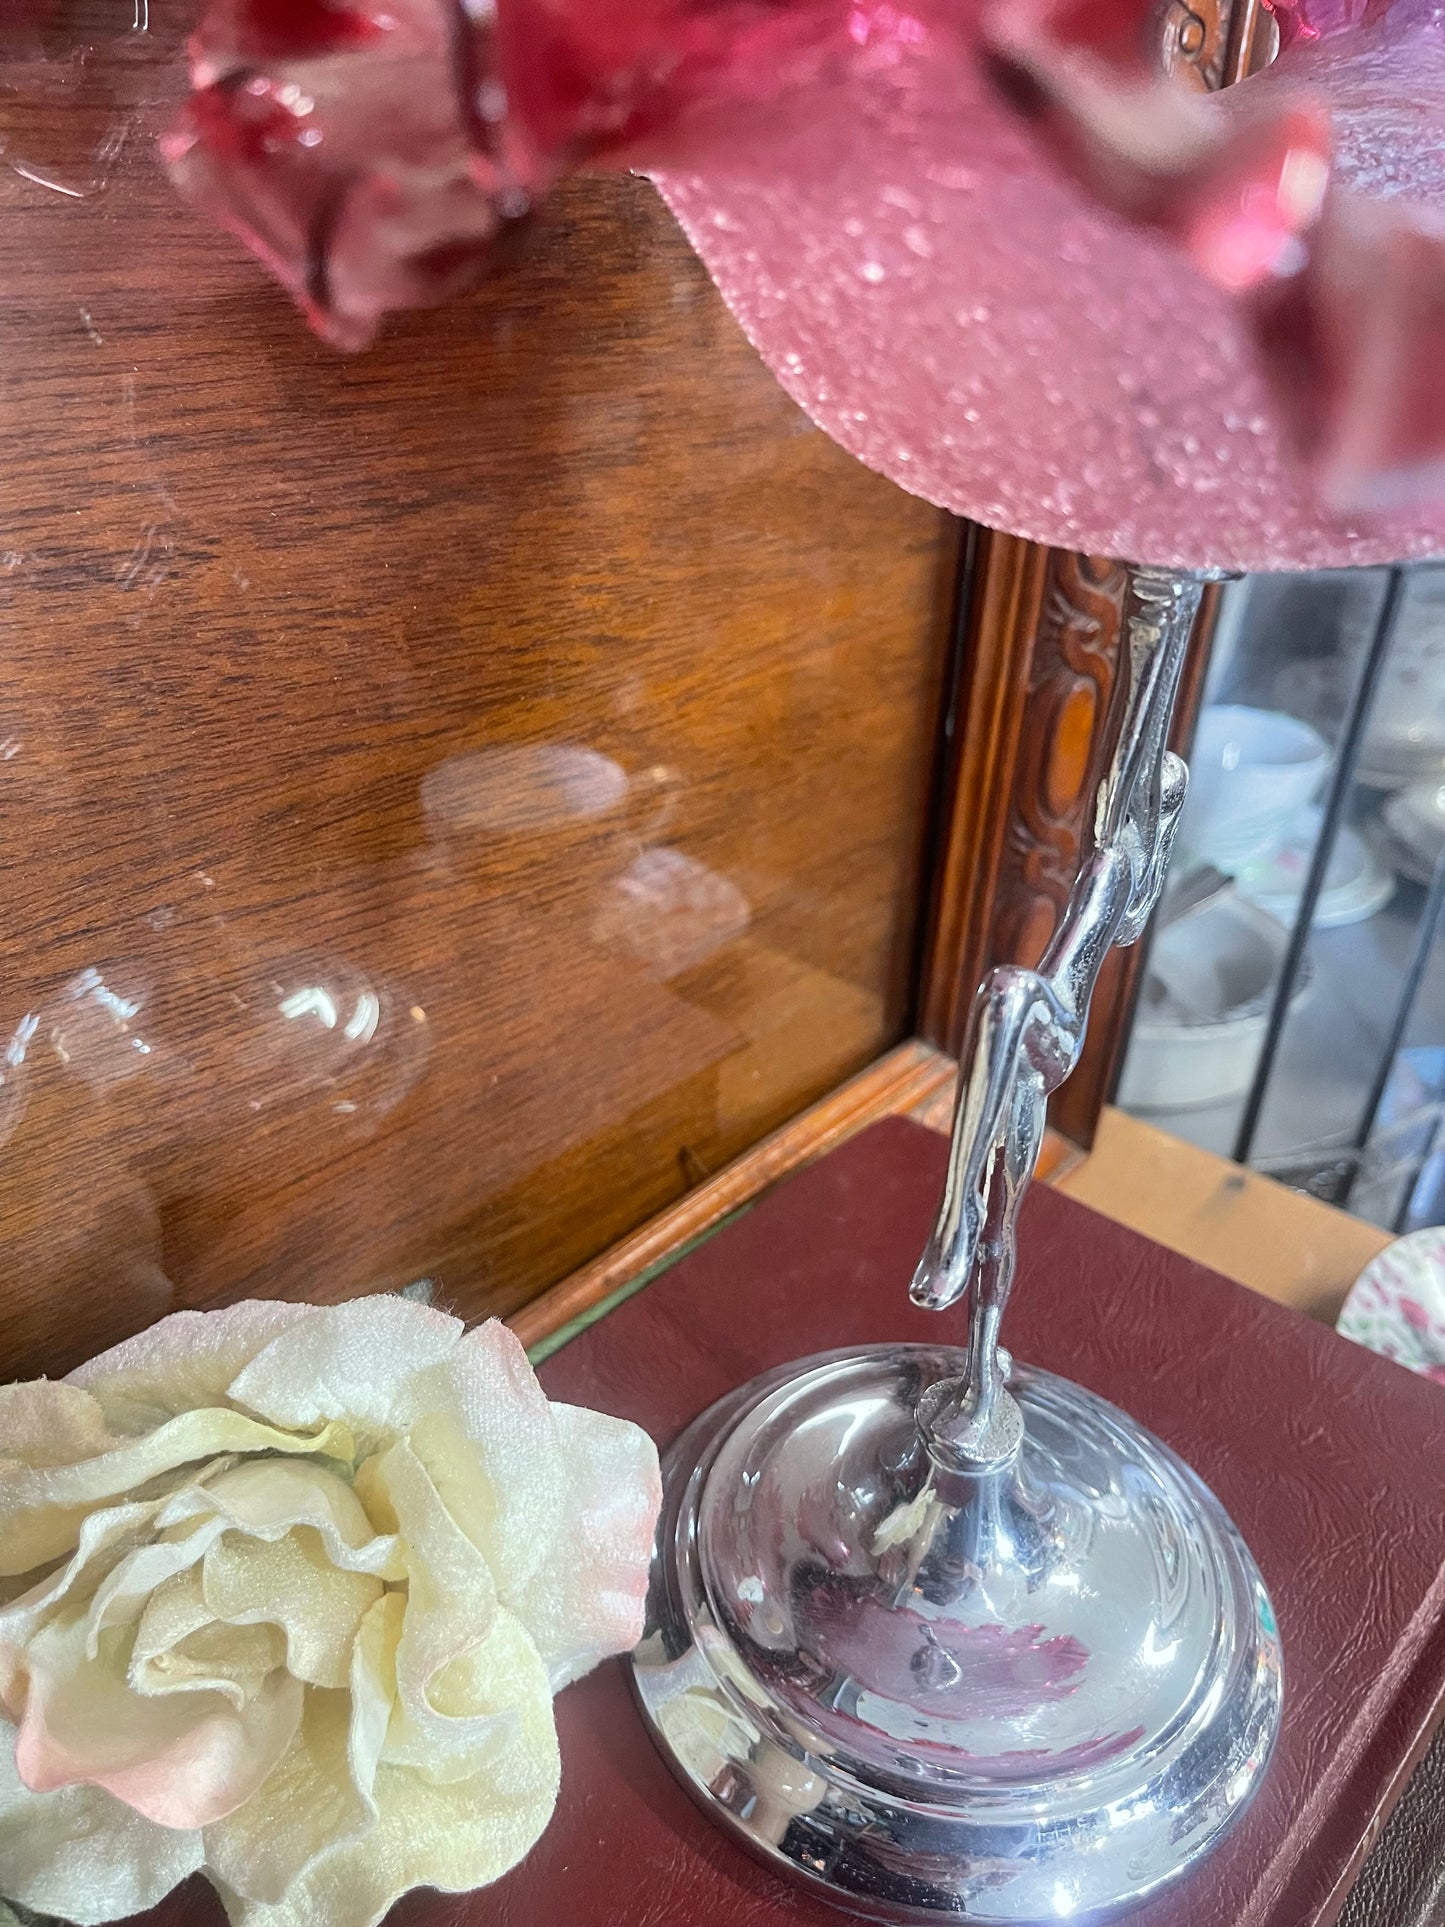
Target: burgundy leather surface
1402,1884
1332,1462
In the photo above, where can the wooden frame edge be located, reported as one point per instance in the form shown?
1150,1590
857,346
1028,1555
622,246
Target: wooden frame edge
1002,600
898,1083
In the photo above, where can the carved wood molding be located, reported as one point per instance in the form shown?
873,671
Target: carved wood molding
1194,41
1070,704
1210,43
1037,709
1031,725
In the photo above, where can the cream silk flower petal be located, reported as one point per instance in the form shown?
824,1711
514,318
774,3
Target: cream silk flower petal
321,1794
181,1759
454,1836
309,1806
83,1856
174,1611
484,1429
587,1599
268,1498
450,1609
290,1584
103,1539
182,1647
299,1583
184,1362
469,1402
373,1690
346,1361
41,1511
120,1598
47,1423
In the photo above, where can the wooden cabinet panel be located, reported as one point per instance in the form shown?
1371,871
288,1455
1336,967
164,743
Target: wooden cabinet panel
452,799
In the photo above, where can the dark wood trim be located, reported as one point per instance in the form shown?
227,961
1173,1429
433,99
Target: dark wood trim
1037,712
1210,44
1031,727
1005,592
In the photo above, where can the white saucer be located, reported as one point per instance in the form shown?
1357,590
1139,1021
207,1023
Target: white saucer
1356,884
1415,820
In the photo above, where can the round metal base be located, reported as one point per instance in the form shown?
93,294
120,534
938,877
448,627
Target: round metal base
1033,1693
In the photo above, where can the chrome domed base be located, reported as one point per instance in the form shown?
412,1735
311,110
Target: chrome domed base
954,1642
1033,1691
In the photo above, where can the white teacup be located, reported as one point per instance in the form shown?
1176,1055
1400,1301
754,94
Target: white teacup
1250,770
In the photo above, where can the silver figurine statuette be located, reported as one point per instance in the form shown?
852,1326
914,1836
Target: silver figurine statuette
946,1637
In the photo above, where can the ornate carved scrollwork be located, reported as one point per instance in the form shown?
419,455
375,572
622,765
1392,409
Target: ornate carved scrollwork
1194,41
1070,712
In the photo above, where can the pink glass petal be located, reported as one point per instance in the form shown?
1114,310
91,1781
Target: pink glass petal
1353,341
1253,203
1388,439
959,315
380,156
1239,191
315,123
1344,286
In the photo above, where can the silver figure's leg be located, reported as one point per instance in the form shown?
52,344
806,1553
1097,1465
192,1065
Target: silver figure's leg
1027,1027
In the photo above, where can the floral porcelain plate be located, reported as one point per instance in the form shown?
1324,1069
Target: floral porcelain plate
1397,1304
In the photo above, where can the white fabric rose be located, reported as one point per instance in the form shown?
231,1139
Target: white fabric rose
285,1593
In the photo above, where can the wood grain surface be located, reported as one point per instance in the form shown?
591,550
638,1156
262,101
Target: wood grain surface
454,800
912,1080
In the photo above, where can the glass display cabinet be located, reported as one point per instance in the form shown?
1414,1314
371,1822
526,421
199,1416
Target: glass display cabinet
1292,1014
476,814
459,801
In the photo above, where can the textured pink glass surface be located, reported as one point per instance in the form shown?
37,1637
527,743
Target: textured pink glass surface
970,320
981,244
1317,19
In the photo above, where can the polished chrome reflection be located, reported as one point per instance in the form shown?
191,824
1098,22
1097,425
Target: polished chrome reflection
949,1639
1027,1026
13,1079
96,1028
322,1032
1028,1694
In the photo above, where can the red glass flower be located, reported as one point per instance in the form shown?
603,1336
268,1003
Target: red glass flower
378,154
